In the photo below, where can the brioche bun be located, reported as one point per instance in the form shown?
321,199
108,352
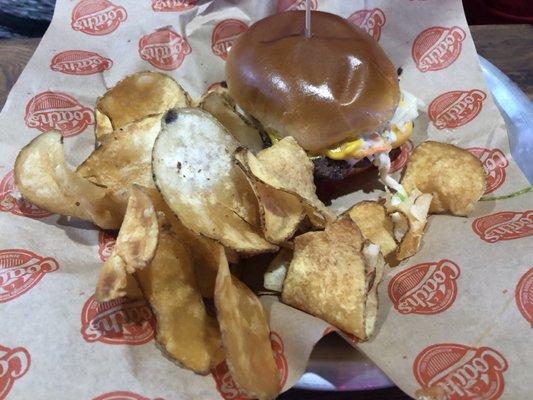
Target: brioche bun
323,90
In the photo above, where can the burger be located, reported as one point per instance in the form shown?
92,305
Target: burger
336,92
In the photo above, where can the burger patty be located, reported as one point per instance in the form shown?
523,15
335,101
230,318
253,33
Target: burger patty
336,170
327,168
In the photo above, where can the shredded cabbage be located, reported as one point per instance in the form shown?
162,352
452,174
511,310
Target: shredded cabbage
382,161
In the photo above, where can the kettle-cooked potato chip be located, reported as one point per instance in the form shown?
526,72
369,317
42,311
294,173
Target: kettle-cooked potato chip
203,250
222,107
375,225
102,126
134,249
400,224
184,329
139,95
280,212
329,278
44,179
194,171
285,166
114,282
375,268
137,238
245,337
409,218
124,158
453,176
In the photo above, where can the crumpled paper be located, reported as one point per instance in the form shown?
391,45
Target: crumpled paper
454,320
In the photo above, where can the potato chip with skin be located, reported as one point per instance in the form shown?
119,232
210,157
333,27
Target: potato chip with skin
134,248
124,158
374,269
102,127
232,256
44,179
409,218
372,219
185,331
411,241
400,224
329,278
453,176
285,166
222,107
137,239
115,282
245,337
204,253
203,250
139,95
195,173
203,157
280,212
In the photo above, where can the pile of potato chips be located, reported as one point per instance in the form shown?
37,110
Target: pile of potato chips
195,196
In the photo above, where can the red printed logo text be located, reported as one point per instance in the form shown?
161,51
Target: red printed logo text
279,356
505,225
55,110
173,5
455,108
428,288
14,363
288,5
97,17
20,270
494,163
80,62
164,49
224,35
461,372
370,20
119,321
106,242
524,296
399,162
437,48
122,395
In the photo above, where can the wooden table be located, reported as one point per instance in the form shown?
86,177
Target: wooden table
508,47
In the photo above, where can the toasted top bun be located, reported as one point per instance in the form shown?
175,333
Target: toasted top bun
322,90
